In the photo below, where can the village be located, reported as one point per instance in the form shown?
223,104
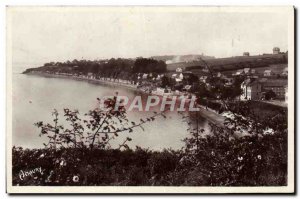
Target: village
264,76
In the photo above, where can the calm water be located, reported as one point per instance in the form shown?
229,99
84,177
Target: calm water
35,97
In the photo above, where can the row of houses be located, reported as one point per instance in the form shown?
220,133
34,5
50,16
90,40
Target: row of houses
268,72
255,89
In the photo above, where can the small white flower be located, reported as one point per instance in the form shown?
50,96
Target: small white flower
75,179
42,155
259,157
240,158
63,163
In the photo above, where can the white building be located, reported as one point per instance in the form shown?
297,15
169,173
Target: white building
251,90
268,73
145,76
178,70
246,70
239,72
178,77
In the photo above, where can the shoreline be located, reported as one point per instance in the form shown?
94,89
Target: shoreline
210,115
98,81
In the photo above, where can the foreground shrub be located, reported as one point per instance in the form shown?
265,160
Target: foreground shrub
219,160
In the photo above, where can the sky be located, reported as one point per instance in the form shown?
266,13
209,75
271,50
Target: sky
40,35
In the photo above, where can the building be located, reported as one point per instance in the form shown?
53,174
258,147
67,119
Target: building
276,50
203,79
285,72
278,86
239,72
90,75
252,90
205,70
178,77
219,74
145,76
178,70
246,54
246,70
268,73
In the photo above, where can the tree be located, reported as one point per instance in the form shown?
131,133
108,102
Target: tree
192,79
270,95
167,82
203,92
144,65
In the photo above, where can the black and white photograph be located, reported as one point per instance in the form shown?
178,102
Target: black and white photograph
150,99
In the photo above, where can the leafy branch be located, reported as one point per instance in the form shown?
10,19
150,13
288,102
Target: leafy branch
97,129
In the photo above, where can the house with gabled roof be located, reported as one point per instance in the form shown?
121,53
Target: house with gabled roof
251,90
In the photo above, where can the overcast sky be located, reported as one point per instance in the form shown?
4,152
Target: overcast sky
45,35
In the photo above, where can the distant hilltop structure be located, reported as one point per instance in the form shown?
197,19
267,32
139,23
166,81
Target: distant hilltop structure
276,50
234,63
246,54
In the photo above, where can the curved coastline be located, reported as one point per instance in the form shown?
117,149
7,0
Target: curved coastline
210,115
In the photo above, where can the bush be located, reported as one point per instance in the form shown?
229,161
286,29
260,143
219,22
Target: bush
219,160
